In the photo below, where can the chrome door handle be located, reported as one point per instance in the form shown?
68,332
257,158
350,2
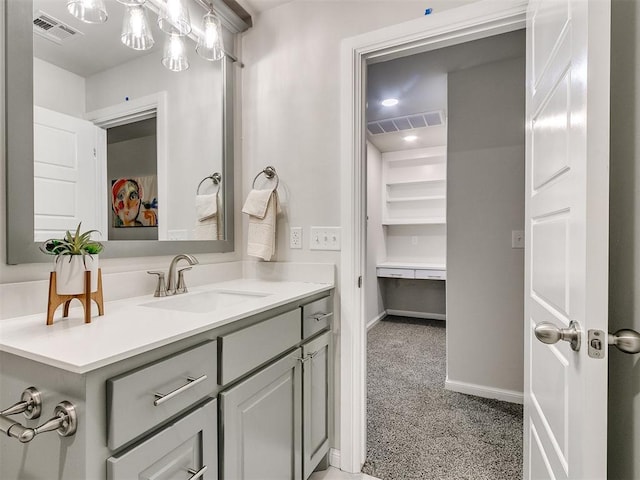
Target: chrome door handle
191,382
548,333
625,340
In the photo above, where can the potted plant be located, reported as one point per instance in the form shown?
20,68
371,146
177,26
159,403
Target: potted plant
75,254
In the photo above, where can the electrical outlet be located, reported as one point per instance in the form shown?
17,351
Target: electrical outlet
414,240
295,237
517,239
325,238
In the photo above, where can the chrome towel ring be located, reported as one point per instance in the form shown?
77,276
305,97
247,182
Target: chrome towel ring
216,178
268,172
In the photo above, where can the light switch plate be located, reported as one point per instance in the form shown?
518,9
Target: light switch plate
517,239
295,237
325,238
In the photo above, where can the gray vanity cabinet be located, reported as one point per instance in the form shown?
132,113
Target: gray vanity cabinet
316,362
261,424
186,448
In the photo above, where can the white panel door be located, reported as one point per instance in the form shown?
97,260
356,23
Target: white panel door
567,121
68,184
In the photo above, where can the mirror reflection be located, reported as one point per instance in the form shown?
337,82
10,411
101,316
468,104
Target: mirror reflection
123,138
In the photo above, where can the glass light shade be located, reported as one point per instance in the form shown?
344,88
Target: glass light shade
174,18
88,11
175,55
210,45
136,33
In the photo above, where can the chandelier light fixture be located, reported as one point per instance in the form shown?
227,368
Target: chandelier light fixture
136,33
88,11
173,19
175,56
210,46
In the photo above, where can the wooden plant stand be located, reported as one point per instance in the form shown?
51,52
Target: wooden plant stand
85,298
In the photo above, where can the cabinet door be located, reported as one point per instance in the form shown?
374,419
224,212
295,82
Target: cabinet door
261,429
315,393
186,449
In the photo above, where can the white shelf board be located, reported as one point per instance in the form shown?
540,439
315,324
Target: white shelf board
415,221
409,182
411,264
417,199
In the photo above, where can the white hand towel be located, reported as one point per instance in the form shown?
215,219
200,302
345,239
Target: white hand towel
206,206
262,208
206,227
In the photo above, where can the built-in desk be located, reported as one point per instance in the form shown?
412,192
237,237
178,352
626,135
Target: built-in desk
412,271
413,298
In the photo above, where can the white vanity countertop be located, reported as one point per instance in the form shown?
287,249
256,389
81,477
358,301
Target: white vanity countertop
128,328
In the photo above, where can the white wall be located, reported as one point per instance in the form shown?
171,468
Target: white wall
291,112
485,202
624,231
58,89
374,306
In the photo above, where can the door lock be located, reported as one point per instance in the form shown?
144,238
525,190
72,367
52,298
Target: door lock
625,340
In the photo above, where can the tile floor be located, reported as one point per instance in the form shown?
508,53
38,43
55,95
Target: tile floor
335,474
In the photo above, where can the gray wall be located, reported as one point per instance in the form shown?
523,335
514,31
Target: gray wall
624,265
485,202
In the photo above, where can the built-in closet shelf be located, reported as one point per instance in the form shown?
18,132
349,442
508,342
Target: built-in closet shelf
414,221
416,199
415,182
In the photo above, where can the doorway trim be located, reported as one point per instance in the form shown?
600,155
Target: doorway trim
149,106
477,20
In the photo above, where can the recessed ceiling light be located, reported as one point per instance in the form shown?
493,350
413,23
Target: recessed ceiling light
410,138
389,102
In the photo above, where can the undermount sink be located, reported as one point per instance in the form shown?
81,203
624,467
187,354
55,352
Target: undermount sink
204,302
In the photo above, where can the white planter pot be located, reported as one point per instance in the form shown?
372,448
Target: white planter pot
70,273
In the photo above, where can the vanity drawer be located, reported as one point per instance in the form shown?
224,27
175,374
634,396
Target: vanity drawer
434,274
246,349
134,404
316,316
190,443
396,272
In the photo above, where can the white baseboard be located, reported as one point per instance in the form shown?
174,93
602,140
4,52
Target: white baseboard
334,458
511,396
409,313
375,320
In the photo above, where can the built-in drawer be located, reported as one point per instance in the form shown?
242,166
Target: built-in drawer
181,450
317,316
396,272
424,274
144,398
246,349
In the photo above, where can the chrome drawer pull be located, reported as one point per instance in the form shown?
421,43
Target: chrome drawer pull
197,474
163,397
321,316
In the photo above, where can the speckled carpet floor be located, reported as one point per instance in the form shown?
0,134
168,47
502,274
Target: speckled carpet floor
418,430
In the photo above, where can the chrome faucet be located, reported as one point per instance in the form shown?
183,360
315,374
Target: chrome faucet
172,285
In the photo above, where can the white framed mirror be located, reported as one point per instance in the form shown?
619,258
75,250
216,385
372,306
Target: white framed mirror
156,137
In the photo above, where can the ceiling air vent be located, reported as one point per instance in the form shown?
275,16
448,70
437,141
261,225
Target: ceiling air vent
407,122
53,29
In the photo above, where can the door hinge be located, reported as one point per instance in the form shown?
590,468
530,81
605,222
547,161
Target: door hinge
360,281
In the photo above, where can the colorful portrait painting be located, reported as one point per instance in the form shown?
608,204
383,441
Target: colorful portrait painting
134,202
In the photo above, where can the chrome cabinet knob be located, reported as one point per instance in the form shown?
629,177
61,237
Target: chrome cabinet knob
549,333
